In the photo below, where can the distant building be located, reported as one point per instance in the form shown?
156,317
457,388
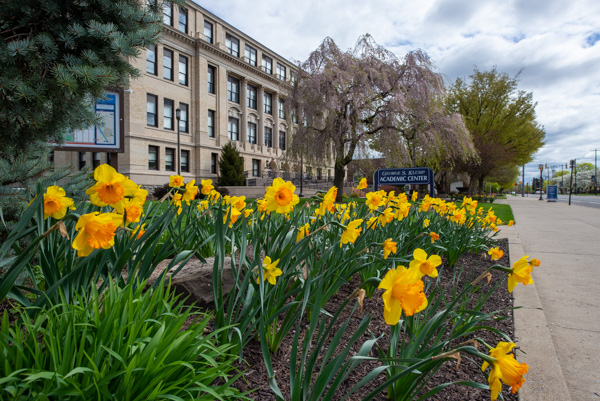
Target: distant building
226,85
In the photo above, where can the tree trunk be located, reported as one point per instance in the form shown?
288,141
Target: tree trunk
338,180
480,179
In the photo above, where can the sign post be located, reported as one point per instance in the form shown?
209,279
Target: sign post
404,176
552,193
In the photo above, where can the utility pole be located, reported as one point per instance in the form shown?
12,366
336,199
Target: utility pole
523,183
571,181
595,172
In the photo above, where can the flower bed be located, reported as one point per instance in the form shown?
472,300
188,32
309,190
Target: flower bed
287,289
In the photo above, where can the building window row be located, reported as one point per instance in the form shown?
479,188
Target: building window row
208,32
168,64
168,113
170,161
251,55
251,92
233,89
233,44
168,16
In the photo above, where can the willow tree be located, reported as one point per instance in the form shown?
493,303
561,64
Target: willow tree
348,100
501,120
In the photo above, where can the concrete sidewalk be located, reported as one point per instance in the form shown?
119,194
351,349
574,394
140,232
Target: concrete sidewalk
558,326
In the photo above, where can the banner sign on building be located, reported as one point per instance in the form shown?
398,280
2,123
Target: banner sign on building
404,176
552,193
103,137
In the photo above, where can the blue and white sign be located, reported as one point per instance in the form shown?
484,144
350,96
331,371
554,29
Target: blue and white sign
404,176
552,193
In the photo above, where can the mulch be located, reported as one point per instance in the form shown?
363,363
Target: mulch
255,375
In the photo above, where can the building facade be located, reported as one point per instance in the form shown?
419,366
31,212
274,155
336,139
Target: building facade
223,85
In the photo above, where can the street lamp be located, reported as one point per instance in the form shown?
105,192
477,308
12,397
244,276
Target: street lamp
178,117
541,167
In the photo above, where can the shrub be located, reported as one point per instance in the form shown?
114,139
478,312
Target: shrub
231,167
161,191
124,344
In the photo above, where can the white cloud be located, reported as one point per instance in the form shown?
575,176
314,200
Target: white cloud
556,44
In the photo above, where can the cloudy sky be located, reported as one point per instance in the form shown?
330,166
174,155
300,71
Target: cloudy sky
556,44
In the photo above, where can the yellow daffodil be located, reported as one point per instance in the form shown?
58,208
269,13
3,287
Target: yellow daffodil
351,232
520,273
425,223
133,211
239,202
328,203
534,262
386,216
175,181
389,246
177,202
280,196
511,223
302,232
56,202
402,210
214,196
496,253
403,292
270,271
96,231
414,196
111,188
138,231
191,190
374,200
372,223
248,212
140,195
459,216
233,214
434,237
424,265
505,368
207,187
362,184
203,205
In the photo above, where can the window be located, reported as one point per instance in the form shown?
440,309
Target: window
81,160
183,117
281,71
151,59
268,137
169,159
167,64
233,129
293,77
151,119
282,140
208,31
183,70
183,19
252,133
281,108
96,159
267,64
319,176
168,115
152,157
185,161
214,157
211,123
268,101
251,55
168,13
233,89
211,79
233,44
255,168
251,96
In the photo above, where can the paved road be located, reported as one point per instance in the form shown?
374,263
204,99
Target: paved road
580,200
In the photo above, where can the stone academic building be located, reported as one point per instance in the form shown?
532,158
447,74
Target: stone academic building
224,86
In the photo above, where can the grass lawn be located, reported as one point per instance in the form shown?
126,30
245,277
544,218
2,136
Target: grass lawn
503,212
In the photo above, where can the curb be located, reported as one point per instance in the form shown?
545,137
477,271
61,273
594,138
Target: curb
544,380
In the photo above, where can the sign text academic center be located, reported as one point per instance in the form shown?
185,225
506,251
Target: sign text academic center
217,82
